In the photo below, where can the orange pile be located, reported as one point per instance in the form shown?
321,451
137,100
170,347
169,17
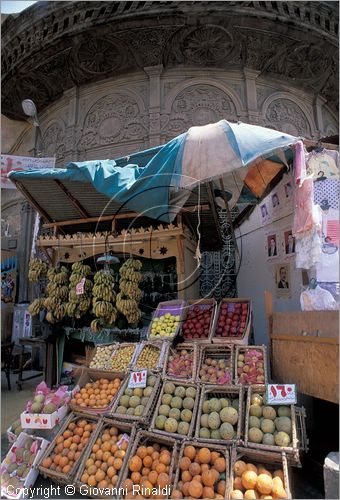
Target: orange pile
252,481
69,446
149,468
106,459
202,474
97,394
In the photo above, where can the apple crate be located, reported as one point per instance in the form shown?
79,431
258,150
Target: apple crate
128,432
175,435
193,350
50,472
173,307
299,440
223,450
160,348
226,391
147,438
214,353
268,460
148,409
258,370
87,376
226,314
92,352
197,322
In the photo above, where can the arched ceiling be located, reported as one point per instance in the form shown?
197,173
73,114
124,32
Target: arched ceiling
54,46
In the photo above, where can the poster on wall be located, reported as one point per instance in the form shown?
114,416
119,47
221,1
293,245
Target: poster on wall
8,279
265,214
282,280
289,242
271,245
10,163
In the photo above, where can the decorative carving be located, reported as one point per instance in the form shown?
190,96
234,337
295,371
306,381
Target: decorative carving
111,119
287,116
53,141
96,55
199,105
259,47
207,45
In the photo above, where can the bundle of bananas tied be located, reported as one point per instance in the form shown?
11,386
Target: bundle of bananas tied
36,306
57,294
103,300
37,269
130,294
79,304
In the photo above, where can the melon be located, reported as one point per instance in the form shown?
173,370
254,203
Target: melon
170,425
215,405
180,392
166,399
151,380
206,407
227,431
190,392
282,439
264,484
183,428
176,402
169,388
268,439
229,414
188,403
204,433
269,412
175,413
164,410
284,411
214,420
284,424
138,392
215,434
256,399
255,411
254,422
130,411
122,410
224,402
235,403
160,421
267,426
134,401
255,435
204,420
186,415
139,410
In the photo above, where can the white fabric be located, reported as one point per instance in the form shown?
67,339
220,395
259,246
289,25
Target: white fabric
207,155
317,300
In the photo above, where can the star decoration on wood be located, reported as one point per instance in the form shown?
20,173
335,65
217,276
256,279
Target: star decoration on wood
163,250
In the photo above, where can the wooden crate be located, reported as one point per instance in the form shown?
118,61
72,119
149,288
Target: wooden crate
244,339
216,352
271,461
203,304
162,347
115,351
148,410
88,376
123,428
291,451
194,411
193,348
174,307
241,350
212,447
217,391
91,352
146,438
60,477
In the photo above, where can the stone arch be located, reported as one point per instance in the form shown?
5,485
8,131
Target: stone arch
114,117
284,112
198,102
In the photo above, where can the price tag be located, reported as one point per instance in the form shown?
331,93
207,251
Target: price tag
138,379
124,439
80,287
279,394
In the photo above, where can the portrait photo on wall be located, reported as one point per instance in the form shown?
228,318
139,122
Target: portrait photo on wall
282,280
288,189
289,241
265,215
275,200
272,245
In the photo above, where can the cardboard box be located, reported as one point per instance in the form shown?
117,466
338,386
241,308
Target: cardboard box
31,477
43,420
10,435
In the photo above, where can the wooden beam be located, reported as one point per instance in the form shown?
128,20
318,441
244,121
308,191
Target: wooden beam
78,206
316,144
306,338
105,218
213,209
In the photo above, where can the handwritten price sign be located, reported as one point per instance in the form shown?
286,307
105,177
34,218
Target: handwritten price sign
278,394
138,379
80,287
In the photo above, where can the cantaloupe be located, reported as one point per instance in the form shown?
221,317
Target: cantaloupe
254,422
267,425
240,467
282,439
227,431
284,424
264,484
229,414
268,412
255,435
255,411
237,494
249,479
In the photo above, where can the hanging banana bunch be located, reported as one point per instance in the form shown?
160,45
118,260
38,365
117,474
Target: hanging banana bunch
36,306
130,293
79,303
103,300
57,294
37,269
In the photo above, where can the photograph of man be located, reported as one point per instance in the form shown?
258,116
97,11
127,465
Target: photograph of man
290,242
264,211
272,250
283,283
288,190
275,200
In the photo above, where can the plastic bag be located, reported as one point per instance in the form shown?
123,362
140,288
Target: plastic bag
317,299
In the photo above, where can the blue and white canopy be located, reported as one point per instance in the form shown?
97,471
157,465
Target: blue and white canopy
242,155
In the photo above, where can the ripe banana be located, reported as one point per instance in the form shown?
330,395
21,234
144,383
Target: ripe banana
130,293
37,269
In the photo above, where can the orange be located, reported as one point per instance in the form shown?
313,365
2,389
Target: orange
145,471
100,475
147,461
92,469
221,488
184,463
186,476
111,471
190,452
208,478
91,481
135,464
204,456
153,475
59,439
163,480
118,463
208,492
195,489
150,450
194,468
105,456
63,461
165,458
176,494
160,468
136,477
219,464
66,469
127,485
47,462
84,477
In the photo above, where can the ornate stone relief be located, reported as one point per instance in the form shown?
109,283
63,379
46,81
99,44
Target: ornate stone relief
286,115
199,105
111,119
53,141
